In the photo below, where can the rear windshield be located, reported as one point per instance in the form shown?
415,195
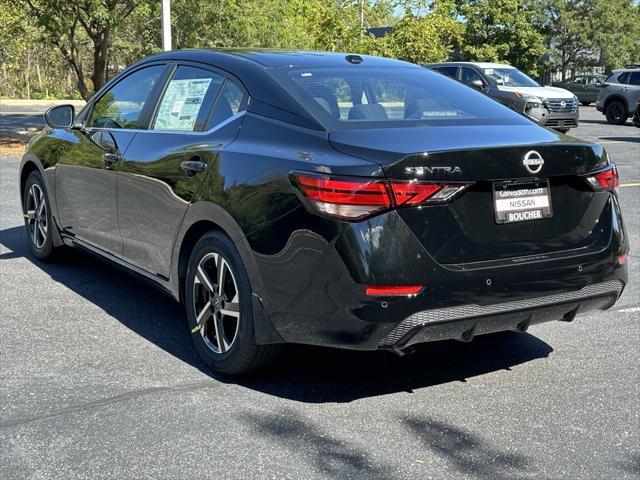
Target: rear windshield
361,97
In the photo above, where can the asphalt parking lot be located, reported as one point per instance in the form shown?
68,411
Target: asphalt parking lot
98,379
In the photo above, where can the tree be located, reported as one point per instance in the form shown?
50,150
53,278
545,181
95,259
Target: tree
427,34
502,30
67,23
584,33
568,30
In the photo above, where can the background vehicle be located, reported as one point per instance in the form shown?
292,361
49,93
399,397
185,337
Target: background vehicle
549,106
585,87
636,115
619,94
328,199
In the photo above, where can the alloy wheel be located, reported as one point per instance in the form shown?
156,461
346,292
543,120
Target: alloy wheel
216,303
36,216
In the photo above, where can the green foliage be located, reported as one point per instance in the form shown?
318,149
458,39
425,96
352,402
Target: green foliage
585,33
426,38
502,31
50,45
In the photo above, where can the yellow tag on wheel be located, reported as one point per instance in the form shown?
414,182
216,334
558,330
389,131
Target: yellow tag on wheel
195,329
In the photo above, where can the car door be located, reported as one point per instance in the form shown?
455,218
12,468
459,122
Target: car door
577,86
87,171
164,166
592,89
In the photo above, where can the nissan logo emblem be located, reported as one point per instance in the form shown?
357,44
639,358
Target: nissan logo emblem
533,162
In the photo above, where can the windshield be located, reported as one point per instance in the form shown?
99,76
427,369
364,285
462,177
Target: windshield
510,77
360,97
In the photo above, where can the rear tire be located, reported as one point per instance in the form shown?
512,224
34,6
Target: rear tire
616,112
37,217
218,301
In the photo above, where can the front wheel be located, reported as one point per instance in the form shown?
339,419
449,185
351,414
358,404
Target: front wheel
586,104
616,113
219,308
37,217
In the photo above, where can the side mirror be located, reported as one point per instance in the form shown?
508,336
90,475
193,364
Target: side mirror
477,83
61,116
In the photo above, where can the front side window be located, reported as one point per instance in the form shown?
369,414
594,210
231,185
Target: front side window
378,97
121,106
187,100
469,75
509,77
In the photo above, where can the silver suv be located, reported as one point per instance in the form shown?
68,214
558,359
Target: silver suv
619,95
552,107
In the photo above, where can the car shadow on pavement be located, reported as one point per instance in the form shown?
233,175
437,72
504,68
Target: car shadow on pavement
304,373
621,139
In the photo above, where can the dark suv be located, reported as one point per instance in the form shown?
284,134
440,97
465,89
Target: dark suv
619,95
549,106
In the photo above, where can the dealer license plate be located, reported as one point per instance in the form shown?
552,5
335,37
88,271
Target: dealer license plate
521,202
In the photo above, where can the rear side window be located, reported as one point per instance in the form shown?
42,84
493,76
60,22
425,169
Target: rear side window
230,101
448,71
187,100
378,97
634,78
623,77
121,106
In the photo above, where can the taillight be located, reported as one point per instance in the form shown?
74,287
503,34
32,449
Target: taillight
355,198
414,193
350,198
605,179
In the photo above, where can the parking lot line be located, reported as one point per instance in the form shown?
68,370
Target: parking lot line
635,184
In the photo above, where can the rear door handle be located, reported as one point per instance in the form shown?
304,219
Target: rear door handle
193,166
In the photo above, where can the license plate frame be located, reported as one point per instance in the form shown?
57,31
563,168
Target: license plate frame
527,201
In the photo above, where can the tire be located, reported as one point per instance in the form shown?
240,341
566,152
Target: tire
562,130
586,104
221,320
37,217
616,112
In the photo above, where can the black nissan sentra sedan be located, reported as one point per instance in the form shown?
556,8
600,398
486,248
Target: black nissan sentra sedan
328,199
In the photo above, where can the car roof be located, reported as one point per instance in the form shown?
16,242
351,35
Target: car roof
274,58
475,64
250,67
619,70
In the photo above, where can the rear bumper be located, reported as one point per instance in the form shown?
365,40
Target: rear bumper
314,284
463,322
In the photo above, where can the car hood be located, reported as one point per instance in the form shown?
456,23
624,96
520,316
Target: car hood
542,92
